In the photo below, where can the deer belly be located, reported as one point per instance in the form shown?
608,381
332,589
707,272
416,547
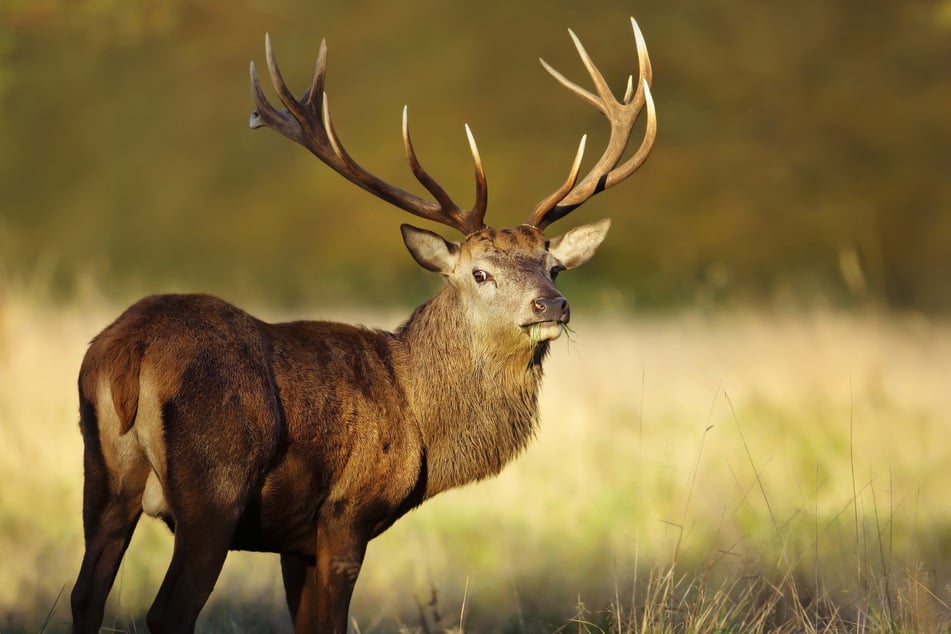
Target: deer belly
281,515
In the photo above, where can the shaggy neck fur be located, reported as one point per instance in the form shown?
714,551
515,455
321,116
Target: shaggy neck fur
475,396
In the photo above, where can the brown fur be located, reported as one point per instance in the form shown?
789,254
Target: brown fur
304,438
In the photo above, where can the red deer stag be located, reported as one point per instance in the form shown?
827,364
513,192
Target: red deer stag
309,439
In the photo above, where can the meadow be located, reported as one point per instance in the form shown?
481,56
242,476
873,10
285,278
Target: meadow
742,471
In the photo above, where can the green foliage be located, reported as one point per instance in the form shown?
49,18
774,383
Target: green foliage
802,152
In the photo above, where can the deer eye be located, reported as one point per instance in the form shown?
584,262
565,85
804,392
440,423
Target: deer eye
480,276
555,270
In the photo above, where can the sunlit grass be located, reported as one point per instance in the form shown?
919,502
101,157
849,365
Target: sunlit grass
744,472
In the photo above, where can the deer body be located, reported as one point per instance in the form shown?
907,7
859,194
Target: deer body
310,438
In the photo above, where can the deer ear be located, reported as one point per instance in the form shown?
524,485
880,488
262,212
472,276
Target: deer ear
430,250
576,246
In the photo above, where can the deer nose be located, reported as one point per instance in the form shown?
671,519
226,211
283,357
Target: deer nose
552,308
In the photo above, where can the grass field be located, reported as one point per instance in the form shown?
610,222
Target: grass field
743,472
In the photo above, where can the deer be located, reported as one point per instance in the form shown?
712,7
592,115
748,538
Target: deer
308,439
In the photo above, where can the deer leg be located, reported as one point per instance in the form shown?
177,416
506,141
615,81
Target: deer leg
112,505
201,546
299,585
340,551
108,523
205,504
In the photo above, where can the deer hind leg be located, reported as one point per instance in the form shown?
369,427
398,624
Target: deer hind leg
206,489
201,546
204,510
112,504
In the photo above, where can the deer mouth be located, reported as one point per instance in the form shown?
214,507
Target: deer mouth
540,331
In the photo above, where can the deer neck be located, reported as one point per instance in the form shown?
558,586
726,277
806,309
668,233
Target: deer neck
475,400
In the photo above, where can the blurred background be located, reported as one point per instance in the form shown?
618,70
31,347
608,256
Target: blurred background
751,415
803,152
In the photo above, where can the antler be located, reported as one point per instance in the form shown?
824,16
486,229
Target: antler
622,115
307,122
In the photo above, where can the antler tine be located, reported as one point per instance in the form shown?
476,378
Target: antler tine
591,98
637,159
622,116
552,199
277,80
482,186
604,91
308,122
644,68
421,175
317,82
471,220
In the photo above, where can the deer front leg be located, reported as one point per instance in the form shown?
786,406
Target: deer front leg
340,551
300,577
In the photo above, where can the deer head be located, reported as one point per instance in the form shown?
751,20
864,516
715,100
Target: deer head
491,272
508,272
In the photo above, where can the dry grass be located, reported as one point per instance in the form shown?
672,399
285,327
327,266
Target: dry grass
746,472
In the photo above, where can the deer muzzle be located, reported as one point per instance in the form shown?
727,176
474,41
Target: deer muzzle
549,319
